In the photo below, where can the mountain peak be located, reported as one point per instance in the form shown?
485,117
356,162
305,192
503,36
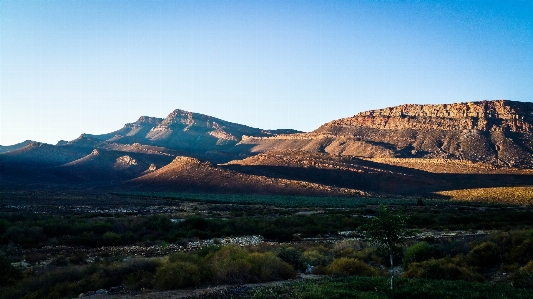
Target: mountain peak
148,120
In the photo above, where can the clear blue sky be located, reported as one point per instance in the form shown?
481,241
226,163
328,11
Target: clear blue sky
72,67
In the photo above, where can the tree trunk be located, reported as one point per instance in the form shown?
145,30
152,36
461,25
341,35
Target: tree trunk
391,271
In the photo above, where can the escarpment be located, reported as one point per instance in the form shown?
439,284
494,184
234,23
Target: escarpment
497,132
497,115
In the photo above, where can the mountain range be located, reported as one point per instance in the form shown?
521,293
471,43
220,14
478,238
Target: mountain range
422,150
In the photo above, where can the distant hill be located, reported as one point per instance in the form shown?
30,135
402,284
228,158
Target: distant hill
110,166
183,130
8,148
43,154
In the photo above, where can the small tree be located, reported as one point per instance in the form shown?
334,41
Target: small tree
385,231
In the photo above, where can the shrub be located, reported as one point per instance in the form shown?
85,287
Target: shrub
417,253
522,253
382,256
348,267
60,261
523,278
315,257
229,265
293,257
232,264
139,280
26,237
111,239
485,255
232,271
267,267
177,275
78,258
446,268
366,255
345,248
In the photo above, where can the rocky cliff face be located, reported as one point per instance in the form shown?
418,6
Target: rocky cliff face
498,115
497,132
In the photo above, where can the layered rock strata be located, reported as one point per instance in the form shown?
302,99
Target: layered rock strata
497,132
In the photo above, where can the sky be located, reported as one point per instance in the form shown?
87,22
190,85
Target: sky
72,67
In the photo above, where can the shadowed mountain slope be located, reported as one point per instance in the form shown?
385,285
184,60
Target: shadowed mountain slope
189,174
110,166
400,176
42,154
340,171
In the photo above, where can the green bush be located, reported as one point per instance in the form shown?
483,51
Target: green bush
229,265
442,269
349,267
268,267
231,271
175,275
523,278
417,253
485,255
522,253
317,257
346,248
139,279
293,257
232,264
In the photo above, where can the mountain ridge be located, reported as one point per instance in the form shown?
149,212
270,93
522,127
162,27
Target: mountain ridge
496,132
404,150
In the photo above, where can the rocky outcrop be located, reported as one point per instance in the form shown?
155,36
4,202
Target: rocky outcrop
497,115
497,132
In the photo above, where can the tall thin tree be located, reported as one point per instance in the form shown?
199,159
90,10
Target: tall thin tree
386,231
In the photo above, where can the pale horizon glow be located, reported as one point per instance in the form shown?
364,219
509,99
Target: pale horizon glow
73,67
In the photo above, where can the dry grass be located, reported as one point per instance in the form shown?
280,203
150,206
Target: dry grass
507,195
